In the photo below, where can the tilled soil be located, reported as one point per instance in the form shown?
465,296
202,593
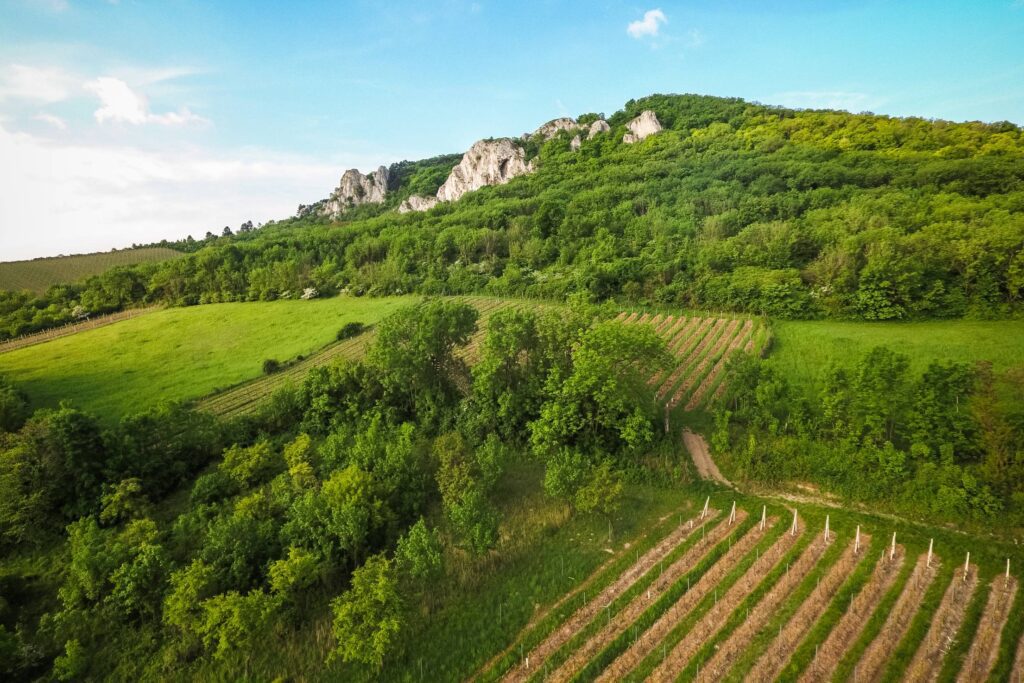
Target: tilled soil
719,367
697,372
631,612
778,653
706,332
927,662
713,619
650,639
852,622
586,613
873,661
726,653
985,649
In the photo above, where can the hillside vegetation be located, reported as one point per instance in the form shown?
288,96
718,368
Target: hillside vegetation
735,206
40,274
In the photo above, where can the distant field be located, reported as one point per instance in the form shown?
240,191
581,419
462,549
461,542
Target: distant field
38,274
802,349
180,353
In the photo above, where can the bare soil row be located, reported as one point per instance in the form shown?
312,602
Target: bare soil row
927,662
981,658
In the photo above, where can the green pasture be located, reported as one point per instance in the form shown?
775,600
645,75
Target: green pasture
180,353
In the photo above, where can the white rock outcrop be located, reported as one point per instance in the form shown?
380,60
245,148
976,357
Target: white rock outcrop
555,126
641,127
417,203
354,189
488,162
599,126
575,143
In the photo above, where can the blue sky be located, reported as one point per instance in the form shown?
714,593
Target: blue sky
129,121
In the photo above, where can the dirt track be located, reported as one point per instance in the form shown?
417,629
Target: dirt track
706,467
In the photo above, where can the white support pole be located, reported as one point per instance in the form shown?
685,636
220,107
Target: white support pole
764,513
732,515
892,548
931,544
792,532
705,512
826,528
1007,572
967,564
856,543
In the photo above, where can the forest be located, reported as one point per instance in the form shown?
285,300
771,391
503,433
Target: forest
734,206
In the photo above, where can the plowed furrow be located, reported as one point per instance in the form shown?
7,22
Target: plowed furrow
646,644
627,615
713,619
589,610
927,662
774,659
719,367
877,653
985,649
852,622
702,338
704,361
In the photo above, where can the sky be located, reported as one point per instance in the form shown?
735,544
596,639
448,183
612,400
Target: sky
125,121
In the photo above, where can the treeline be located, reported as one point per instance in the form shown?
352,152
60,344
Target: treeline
735,206
944,444
347,491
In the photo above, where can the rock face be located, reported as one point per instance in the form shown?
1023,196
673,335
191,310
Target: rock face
417,203
599,126
354,189
642,126
575,143
488,162
555,126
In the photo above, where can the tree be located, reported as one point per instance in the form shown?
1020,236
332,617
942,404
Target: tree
369,616
418,555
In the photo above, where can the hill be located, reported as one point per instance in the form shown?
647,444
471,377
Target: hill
40,274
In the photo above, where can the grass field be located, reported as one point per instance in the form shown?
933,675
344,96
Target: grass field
180,353
38,274
801,350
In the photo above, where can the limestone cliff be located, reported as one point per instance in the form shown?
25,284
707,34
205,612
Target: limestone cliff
599,126
555,126
417,203
642,126
354,189
488,162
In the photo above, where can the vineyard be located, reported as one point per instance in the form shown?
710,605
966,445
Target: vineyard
764,594
39,274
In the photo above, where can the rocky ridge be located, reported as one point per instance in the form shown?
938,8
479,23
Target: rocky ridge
642,126
354,189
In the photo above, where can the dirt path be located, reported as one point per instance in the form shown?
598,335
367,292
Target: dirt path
586,613
646,644
631,612
852,622
706,467
776,656
928,659
877,653
985,649
725,654
711,622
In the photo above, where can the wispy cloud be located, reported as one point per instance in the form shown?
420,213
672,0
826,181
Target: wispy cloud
55,121
36,84
827,99
120,104
649,26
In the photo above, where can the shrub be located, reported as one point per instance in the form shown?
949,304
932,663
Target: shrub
270,366
350,330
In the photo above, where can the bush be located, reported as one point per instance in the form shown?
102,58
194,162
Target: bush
350,330
270,366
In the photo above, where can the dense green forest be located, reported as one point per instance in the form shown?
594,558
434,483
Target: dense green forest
735,206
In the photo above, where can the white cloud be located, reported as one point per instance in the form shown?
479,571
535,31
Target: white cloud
827,99
55,121
648,26
64,198
120,104
37,84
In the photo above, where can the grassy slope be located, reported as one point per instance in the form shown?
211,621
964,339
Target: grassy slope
801,350
180,353
38,274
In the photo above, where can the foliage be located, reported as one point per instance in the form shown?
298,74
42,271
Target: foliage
368,617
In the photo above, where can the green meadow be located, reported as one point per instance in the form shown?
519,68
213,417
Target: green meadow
180,353
802,349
